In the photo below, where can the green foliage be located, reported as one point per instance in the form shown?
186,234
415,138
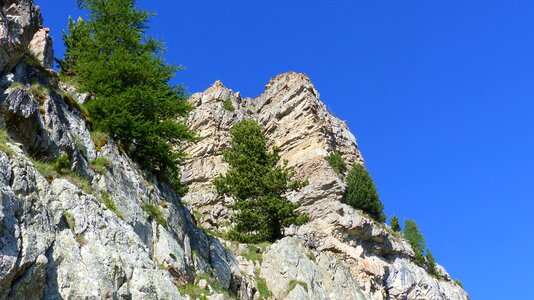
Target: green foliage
255,252
74,105
16,85
416,240
336,161
394,223
110,204
4,139
101,165
33,61
459,283
61,165
262,287
431,264
155,214
51,169
361,193
39,92
293,284
100,139
227,104
258,185
194,291
112,57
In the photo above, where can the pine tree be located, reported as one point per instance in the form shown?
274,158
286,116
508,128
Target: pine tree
394,222
431,263
416,240
258,184
361,193
111,57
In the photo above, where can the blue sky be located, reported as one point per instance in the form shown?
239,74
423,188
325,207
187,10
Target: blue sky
439,94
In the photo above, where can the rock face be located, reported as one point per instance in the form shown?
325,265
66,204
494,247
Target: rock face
341,253
85,234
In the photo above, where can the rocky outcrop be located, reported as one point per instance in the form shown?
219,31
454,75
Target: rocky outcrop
354,257
83,234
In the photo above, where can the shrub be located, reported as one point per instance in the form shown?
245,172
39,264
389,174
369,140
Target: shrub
112,57
155,214
61,165
361,193
336,161
101,165
258,185
394,223
100,139
227,104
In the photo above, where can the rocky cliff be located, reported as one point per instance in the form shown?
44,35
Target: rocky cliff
103,229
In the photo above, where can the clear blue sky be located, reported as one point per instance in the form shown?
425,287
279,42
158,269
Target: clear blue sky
440,95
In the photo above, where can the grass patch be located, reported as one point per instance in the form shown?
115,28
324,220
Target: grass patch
4,139
155,214
255,252
69,220
293,284
59,168
16,85
69,80
110,204
262,287
227,104
39,92
194,291
101,165
100,139
459,283
336,161
33,61
68,98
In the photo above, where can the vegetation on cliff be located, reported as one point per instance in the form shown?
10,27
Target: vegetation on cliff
258,185
112,57
361,193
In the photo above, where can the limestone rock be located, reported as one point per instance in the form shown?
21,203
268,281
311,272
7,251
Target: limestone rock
42,49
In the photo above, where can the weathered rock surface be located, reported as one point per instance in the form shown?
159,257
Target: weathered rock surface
85,235
356,258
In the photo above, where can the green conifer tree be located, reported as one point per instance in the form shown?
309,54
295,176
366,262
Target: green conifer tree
258,185
361,193
394,223
111,57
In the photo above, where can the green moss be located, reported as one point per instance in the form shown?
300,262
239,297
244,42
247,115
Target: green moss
227,104
100,139
101,165
293,284
155,214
